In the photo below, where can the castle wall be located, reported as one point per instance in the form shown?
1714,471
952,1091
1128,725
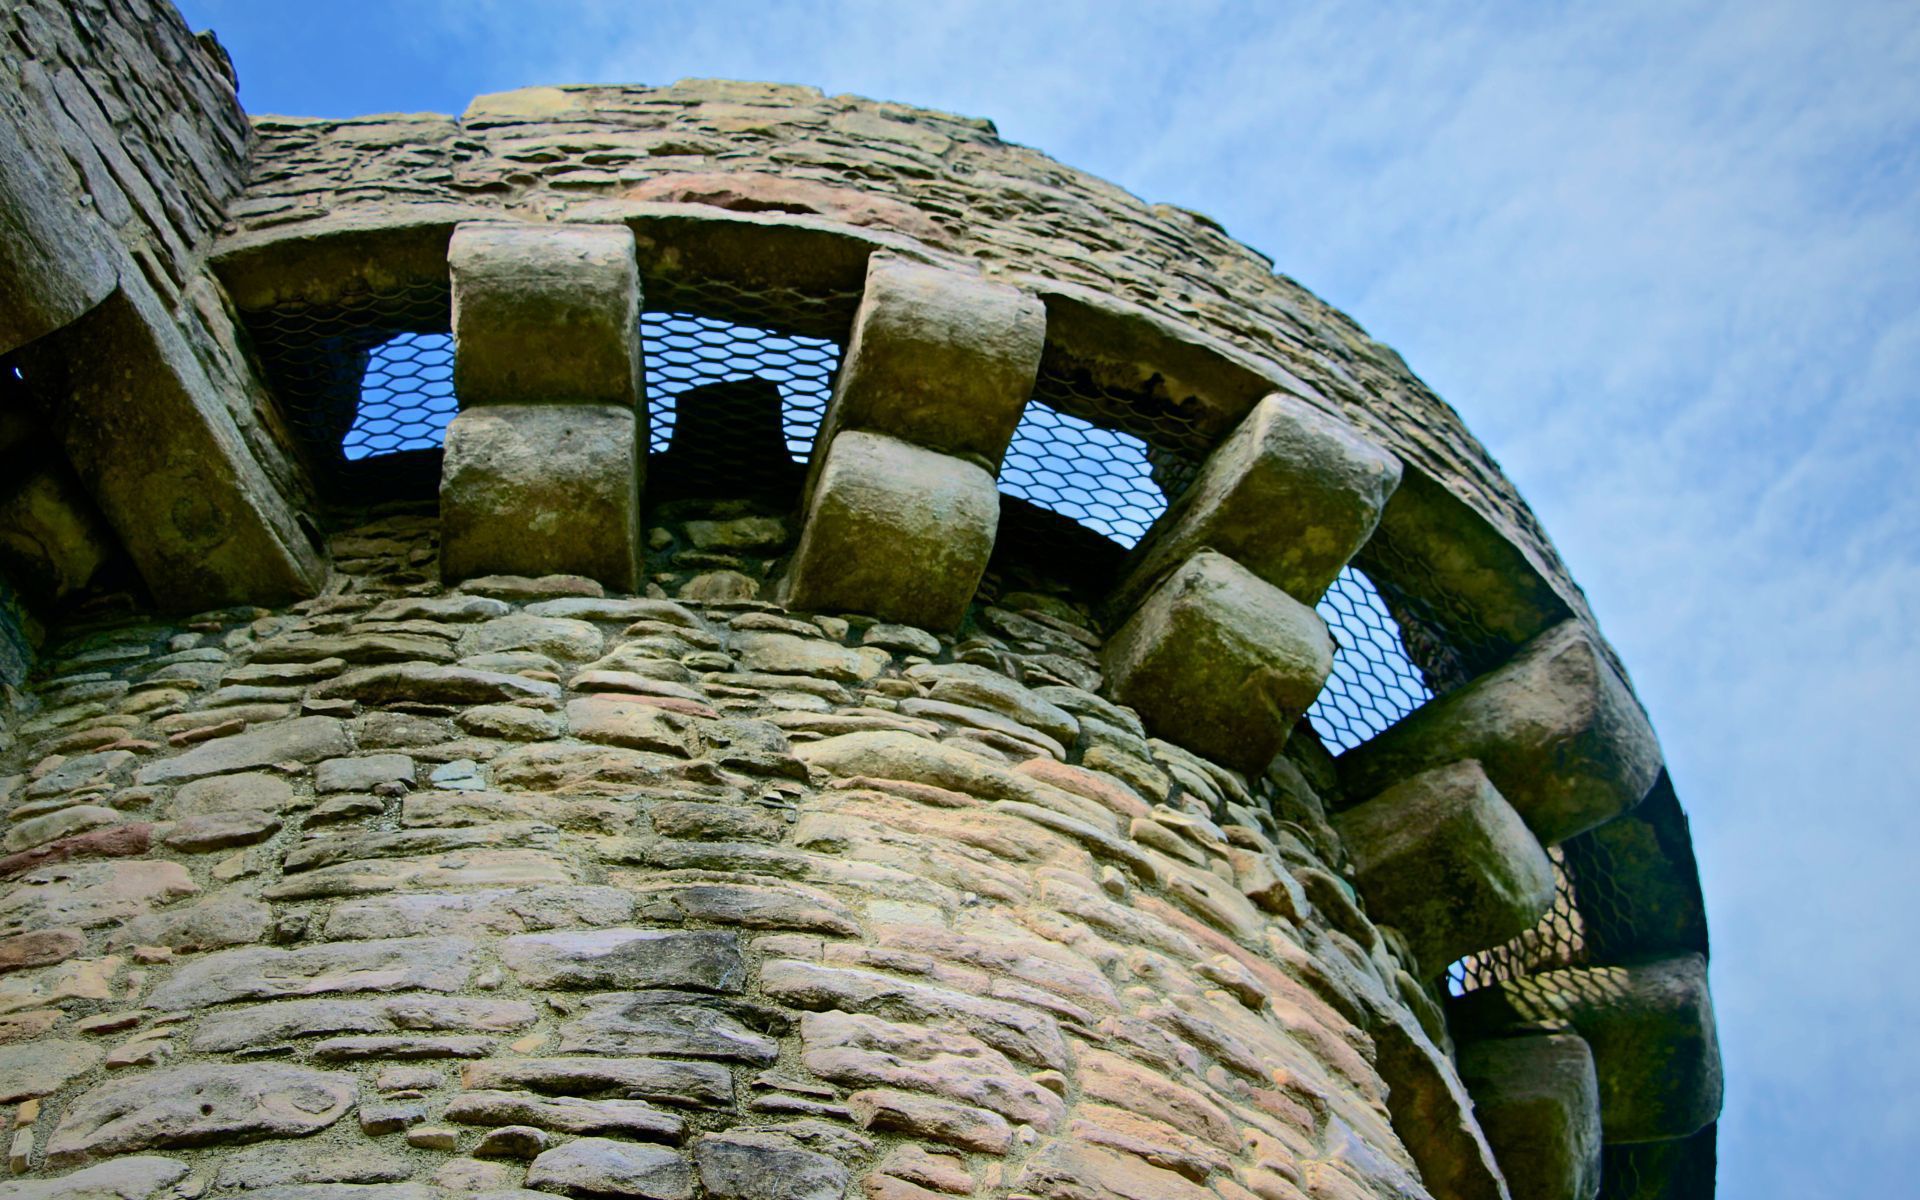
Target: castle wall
519,885
946,181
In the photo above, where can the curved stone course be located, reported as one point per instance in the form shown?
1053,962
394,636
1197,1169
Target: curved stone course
860,832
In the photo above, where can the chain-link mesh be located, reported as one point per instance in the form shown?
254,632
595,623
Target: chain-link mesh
368,375
1558,940
1374,683
685,353
737,384
1174,446
1100,477
406,397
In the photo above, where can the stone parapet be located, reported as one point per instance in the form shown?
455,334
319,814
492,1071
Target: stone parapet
1555,728
1650,1027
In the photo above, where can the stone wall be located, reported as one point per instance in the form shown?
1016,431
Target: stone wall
517,884
947,181
132,425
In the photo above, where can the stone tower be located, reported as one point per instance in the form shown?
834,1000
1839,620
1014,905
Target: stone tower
719,641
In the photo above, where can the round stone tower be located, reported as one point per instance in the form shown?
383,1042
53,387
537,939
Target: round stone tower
720,641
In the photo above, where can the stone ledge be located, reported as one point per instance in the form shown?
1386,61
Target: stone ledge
1651,1028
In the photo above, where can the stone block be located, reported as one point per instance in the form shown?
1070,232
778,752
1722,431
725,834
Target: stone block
535,490
1291,495
1650,1027
545,313
55,260
894,530
1555,728
939,358
153,434
1538,1101
1219,661
1444,858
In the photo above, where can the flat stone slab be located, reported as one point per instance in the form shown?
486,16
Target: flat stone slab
193,1105
627,958
301,739
593,1166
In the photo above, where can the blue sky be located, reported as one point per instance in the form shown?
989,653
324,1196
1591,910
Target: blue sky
1664,257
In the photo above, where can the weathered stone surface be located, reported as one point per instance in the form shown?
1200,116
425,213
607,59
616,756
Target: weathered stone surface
787,654
277,1164
745,1164
561,638
303,739
544,313
1555,728
1290,495
253,1026
567,1114
894,530
1432,1113
698,1084
1538,1100
681,1024
965,683
187,1106
419,683
1443,858
593,1166
249,791
1650,1028
1014,1029
635,725
432,964
1219,661
40,948
87,895
42,1067
626,958
764,904
134,1178
150,427
865,1051
362,774
226,919
892,1111
1066,1170
542,489
938,358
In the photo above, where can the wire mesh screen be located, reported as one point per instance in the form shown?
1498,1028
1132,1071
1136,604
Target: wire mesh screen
406,397
1374,682
1099,477
685,353
1173,446
1559,940
367,375
737,383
